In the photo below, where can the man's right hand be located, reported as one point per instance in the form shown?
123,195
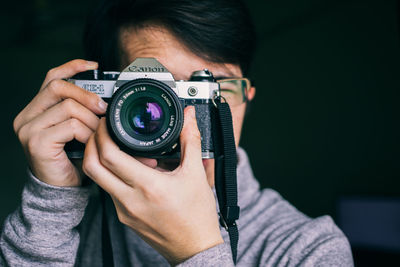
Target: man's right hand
59,113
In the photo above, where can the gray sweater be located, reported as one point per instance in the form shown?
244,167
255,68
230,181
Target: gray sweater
57,226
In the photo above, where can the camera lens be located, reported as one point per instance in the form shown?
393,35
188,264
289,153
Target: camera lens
145,117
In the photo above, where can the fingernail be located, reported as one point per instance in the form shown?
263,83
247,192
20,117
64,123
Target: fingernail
91,64
103,105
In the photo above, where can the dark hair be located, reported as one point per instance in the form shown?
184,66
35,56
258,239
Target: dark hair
219,31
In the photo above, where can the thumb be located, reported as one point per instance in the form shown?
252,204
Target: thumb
190,140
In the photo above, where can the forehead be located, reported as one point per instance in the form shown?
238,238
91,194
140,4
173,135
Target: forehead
157,42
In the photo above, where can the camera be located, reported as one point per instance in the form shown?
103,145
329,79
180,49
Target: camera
145,107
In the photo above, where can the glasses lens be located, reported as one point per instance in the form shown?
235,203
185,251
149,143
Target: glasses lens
145,117
233,90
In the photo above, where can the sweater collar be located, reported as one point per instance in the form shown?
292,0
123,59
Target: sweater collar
248,186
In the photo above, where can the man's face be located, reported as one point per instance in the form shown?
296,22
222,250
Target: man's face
158,43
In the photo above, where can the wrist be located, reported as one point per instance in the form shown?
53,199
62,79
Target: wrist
65,175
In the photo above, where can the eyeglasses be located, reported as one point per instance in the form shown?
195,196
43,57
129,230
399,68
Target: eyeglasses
234,90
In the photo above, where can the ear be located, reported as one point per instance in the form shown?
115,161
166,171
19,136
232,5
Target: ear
251,93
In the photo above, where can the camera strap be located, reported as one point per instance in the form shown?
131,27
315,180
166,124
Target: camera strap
225,172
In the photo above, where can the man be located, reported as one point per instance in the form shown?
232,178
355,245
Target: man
158,213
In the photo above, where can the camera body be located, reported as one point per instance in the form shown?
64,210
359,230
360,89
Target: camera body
145,107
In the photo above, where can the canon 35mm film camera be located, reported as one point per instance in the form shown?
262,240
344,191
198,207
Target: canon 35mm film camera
145,107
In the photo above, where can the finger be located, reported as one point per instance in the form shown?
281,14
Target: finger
68,70
152,163
52,140
63,111
118,162
190,140
55,92
66,131
100,175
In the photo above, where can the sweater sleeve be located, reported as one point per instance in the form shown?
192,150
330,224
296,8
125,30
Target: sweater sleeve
334,251
323,244
219,255
316,242
42,231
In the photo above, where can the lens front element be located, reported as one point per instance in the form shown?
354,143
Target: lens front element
145,117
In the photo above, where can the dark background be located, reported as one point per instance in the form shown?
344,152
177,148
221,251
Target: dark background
325,121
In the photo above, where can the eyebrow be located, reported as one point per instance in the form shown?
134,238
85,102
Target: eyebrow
226,74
